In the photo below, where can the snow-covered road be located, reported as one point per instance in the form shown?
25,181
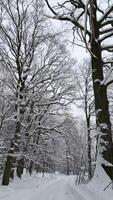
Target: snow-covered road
50,188
56,188
63,188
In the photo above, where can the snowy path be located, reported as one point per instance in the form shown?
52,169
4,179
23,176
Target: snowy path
49,188
61,189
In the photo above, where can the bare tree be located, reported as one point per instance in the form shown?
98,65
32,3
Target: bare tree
86,97
94,33
52,96
41,76
21,32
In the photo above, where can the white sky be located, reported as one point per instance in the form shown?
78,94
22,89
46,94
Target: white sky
77,52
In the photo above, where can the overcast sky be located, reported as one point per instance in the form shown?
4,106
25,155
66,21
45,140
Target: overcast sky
76,51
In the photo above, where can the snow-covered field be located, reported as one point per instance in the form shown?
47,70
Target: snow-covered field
54,187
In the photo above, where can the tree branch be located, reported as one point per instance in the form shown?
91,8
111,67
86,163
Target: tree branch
105,15
106,37
67,18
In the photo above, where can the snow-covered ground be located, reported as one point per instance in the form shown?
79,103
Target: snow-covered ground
54,187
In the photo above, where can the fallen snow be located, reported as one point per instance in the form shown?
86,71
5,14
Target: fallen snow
55,187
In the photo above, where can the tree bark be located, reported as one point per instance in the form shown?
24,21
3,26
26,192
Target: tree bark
8,170
12,160
20,167
105,148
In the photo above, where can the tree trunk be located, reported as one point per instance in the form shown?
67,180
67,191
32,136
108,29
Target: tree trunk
105,149
20,167
8,170
67,158
31,168
11,160
89,149
87,114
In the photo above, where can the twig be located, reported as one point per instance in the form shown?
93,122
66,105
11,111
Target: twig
108,185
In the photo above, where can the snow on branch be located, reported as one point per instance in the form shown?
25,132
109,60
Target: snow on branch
108,47
107,30
106,36
64,17
108,80
107,22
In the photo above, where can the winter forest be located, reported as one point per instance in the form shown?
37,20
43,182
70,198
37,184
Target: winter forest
56,99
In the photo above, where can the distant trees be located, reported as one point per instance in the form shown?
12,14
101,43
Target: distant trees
94,32
72,145
86,100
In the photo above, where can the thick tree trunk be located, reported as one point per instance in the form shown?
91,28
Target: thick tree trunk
20,161
105,149
8,170
12,159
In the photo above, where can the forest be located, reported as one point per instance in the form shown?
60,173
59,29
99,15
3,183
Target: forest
56,108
